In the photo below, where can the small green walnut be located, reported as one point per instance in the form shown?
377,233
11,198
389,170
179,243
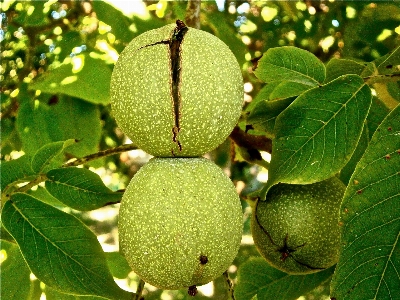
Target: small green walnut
296,229
176,91
180,222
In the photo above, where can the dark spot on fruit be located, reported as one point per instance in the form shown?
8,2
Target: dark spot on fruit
286,250
203,259
192,290
359,191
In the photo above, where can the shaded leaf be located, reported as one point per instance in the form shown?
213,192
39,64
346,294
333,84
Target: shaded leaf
14,270
84,78
318,133
80,188
369,258
257,277
287,89
348,169
60,250
264,115
338,67
291,64
389,63
46,157
17,170
39,124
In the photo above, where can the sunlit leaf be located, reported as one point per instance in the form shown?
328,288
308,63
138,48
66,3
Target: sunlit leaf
257,277
86,79
291,64
318,133
118,265
80,188
369,262
60,250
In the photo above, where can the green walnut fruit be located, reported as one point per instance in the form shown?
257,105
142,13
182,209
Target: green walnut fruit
180,222
176,91
296,229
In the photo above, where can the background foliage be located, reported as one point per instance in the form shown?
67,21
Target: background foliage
56,62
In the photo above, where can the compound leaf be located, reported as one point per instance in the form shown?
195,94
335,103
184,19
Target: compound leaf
369,262
318,133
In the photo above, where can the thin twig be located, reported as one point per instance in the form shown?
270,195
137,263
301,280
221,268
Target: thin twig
192,18
229,286
139,291
111,151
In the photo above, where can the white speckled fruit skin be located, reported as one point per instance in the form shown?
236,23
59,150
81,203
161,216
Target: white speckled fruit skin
308,214
211,91
173,211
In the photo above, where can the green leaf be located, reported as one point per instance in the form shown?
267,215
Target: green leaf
60,250
338,67
52,294
46,157
348,169
369,261
257,277
264,115
80,188
389,63
82,76
118,265
39,124
287,89
318,133
15,271
291,64
262,95
17,170
40,193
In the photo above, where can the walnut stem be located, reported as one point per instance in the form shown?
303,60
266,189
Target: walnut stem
192,18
